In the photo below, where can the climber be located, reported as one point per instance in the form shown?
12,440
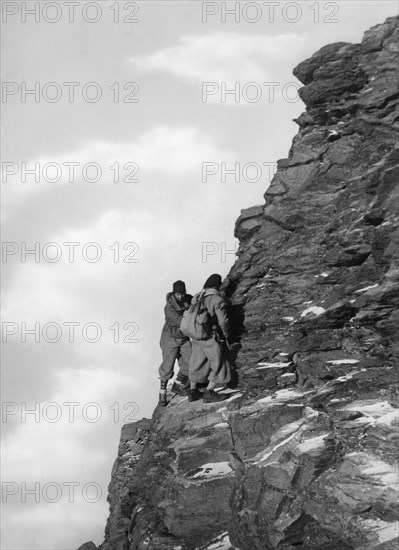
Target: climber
174,344
210,358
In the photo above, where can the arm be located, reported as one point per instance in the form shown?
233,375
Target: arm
172,316
221,315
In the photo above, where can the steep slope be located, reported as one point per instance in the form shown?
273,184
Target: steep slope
304,453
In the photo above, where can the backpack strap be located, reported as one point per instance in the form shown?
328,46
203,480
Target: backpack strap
197,302
204,294
201,299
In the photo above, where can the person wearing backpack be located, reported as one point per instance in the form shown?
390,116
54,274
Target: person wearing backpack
207,323
174,344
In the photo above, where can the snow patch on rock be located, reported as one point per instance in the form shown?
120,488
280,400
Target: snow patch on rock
385,531
221,425
385,473
389,419
382,473
288,432
222,542
234,396
365,289
210,470
271,365
266,455
371,407
344,362
283,395
316,310
312,443
348,376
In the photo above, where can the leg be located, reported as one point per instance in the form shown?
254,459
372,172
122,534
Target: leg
220,363
214,354
198,368
170,352
181,384
215,358
184,359
197,373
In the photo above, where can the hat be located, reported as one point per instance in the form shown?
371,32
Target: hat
214,281
179,287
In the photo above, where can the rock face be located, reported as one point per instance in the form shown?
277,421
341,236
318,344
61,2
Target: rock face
120,496
88,546
304,453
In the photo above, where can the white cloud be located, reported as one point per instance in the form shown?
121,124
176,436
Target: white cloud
164,149
114,376
49,456
75,426
48,525
226,57
162,152
46,290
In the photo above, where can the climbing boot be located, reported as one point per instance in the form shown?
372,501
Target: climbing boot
179,388
194,395
182,379
162,400
211,396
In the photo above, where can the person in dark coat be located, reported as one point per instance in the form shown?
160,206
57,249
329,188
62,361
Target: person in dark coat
210,358
174,344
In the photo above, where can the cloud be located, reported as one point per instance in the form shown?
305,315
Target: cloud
64,288
71,431
162,149
102,305
48,525
162,152
50,456
115,377
226,57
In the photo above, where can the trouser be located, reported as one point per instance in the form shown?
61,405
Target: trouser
209,361
172,349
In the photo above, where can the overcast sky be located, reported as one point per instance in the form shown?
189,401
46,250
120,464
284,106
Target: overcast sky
132,132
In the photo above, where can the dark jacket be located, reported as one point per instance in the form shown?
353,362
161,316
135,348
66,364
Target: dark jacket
216,305
174,313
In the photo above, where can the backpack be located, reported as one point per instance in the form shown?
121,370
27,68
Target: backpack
197,322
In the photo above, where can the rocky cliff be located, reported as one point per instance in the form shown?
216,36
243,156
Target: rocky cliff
304,452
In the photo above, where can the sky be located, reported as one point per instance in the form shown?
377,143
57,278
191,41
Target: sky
133,135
